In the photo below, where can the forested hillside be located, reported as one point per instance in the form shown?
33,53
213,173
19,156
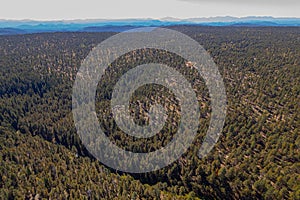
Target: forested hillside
256,157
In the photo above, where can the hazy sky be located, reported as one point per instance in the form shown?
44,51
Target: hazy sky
115,9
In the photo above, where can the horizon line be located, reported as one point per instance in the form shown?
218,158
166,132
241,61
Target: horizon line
148,18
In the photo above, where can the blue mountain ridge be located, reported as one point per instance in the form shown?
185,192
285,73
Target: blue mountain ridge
11,27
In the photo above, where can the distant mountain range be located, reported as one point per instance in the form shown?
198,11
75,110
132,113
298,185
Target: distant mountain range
10,27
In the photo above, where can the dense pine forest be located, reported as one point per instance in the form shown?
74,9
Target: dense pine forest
256,157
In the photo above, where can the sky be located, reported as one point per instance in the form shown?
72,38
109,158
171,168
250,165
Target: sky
122,9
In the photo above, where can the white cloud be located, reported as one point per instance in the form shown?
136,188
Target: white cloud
112,9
